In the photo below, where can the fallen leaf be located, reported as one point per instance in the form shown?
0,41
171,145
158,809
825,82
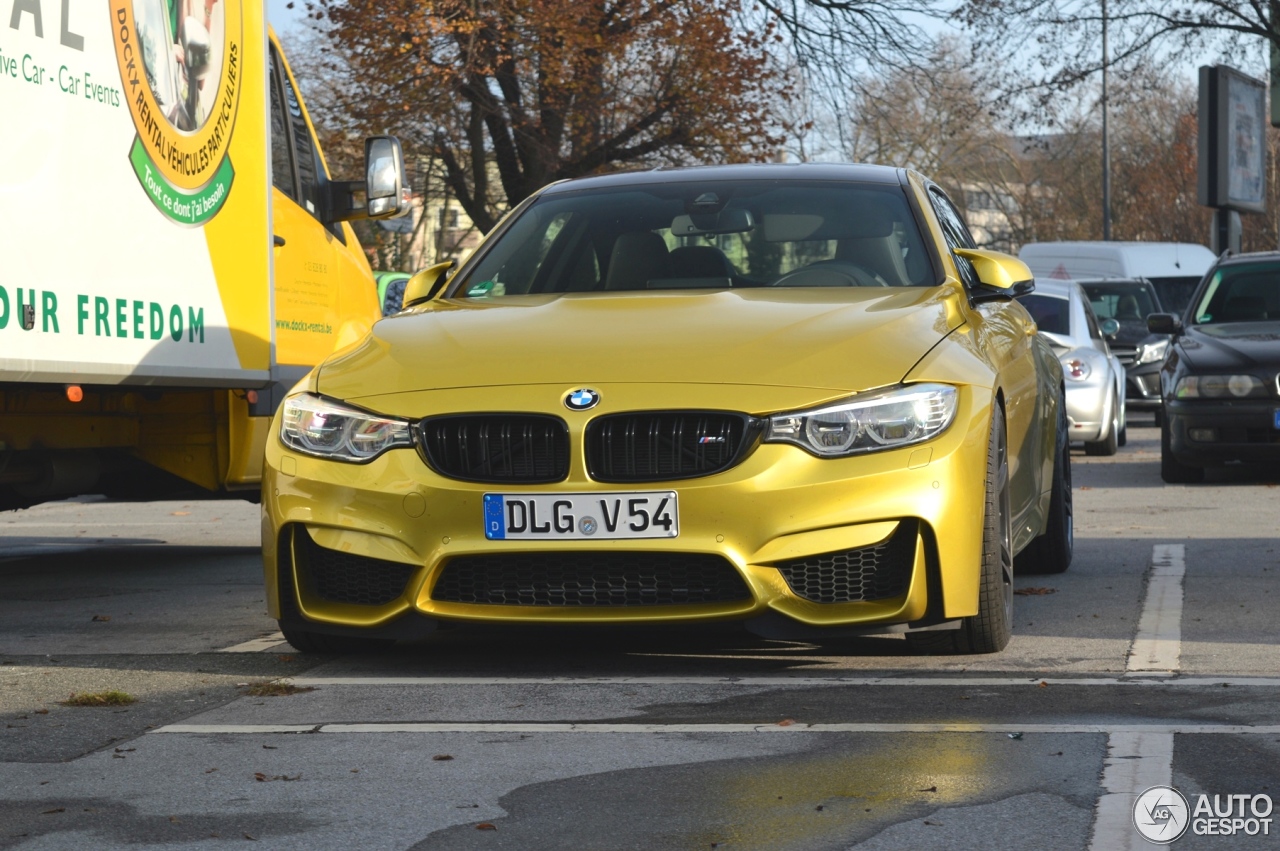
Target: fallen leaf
211,770
934,823
125,750
484,825
174,819
441,757
42,712
930,789
269,747
101,618
1085,488
285,658
355,771
260,777
117,756
1034,592
179,513
818,808
1059,753
1043,684
786,722
250,838
54,810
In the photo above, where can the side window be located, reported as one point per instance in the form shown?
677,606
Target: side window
956,234
304,152
281,162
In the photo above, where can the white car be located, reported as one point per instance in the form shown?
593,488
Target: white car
1094,377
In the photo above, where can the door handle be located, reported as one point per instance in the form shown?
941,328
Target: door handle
277,240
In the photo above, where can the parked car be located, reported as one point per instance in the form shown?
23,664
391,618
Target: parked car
1094,377
1129,302
391,290
1221,379
792,395
1173,268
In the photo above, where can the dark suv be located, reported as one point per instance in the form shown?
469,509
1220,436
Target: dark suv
1221,379
1129,301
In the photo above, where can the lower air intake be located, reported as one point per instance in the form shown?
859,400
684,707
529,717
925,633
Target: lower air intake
338,577
879,572
614,579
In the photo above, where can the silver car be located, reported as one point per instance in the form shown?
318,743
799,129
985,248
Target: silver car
1094,377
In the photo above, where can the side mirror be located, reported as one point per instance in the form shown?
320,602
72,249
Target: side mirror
384,178
385,190
1001,276
1109,327
419,288
1164,323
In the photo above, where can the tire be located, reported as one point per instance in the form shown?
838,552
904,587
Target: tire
989,630
1172,470
1051,551
305,641
1108,445
1123,439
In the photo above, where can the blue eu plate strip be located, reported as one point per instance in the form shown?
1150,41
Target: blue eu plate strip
1277,417
495,524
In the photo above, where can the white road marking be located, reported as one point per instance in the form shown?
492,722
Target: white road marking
1158,644
788,682
256,645
1146,730
1135,762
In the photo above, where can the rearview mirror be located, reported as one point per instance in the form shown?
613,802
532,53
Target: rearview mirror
420,287
384,178
733,220
1110,327
1001,276
1163,323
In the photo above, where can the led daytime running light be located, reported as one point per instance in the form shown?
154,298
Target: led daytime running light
316,426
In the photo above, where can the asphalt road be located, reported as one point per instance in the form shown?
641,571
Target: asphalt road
1153,661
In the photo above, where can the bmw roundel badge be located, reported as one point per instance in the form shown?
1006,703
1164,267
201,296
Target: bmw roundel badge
581,400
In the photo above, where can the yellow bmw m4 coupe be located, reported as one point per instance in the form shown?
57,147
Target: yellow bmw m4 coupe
796,396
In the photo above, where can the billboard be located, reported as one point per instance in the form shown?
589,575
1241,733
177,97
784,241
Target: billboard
1232,140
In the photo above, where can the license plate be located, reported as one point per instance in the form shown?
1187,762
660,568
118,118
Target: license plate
1277,416
580,516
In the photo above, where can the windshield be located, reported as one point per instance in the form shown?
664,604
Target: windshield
1121,302
706,235
1175,293
1051,313
1243,293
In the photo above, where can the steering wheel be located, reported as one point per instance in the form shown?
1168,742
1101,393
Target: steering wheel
831,273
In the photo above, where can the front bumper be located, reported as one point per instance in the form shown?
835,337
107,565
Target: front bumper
779,504
1142,387
1239,431
1089,412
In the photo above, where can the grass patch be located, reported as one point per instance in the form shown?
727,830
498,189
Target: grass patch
100,698
274,689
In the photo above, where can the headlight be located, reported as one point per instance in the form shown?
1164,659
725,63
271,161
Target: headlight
1076,369
1219,386
319,427
1151,352
886,420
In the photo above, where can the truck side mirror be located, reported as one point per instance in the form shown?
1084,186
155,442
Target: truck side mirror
1164,323
384,178
384,187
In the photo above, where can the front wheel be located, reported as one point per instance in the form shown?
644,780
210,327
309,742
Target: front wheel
1051,551
990,629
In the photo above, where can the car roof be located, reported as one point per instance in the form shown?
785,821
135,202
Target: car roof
1151,259
850,172
1251,257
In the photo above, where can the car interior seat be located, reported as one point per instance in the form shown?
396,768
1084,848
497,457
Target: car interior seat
700,261
1127,309
637,257
879,254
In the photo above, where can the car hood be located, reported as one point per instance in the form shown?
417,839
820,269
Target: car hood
846,340
1232,345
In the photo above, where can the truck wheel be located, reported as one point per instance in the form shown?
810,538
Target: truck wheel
1172,470
1107,445
305,641
1051,551
989,630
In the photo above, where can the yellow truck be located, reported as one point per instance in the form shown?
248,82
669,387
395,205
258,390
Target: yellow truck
173,252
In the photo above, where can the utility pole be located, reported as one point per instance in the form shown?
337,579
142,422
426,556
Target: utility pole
1106,138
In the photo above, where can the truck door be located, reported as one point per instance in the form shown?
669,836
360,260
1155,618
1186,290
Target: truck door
306,262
